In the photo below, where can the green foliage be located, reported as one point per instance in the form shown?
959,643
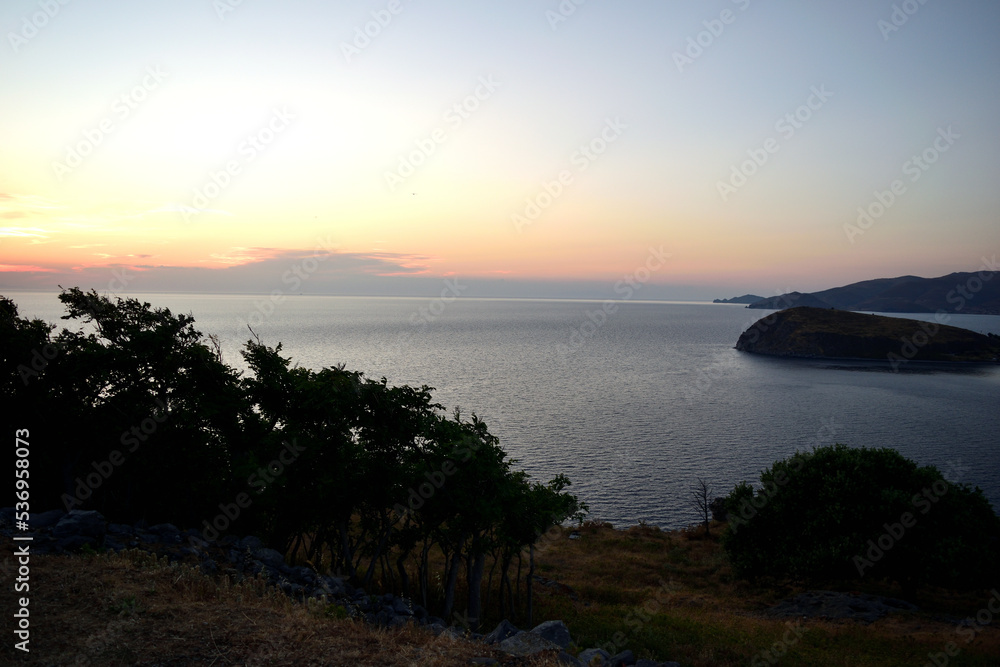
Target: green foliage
347,468
844,513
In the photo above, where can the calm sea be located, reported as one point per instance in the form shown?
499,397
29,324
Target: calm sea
634,405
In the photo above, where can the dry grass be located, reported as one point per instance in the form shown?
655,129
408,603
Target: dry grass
705,617
130,609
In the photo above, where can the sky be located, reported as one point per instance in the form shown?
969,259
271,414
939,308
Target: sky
524,148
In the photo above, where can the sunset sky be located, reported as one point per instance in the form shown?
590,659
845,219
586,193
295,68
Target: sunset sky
528,147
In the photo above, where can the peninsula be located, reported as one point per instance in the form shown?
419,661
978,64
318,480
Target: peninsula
839,334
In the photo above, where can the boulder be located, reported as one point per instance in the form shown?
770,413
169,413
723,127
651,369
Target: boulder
503,630
250,543
567,659
83,524
626,657
554,631
527,643
594,656
269,557
45,519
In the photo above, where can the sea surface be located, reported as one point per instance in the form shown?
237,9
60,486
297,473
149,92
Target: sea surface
634,405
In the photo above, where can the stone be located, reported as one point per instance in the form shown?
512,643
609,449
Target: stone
594,656
626,657
167,532
566,659
554,631
862,607
250,543
401,608
45,519
269,557
83,523
527,643
503,630
646,663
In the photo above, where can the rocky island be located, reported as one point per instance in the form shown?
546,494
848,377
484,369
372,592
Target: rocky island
838,334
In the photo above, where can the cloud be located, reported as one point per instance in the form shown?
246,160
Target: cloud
259,270
23,232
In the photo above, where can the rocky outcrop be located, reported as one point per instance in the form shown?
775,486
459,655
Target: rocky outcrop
58,532
833,605
840,334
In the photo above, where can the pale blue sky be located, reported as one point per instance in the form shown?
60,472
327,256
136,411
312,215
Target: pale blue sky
657,184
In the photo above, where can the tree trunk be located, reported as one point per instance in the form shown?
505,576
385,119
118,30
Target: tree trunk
449,589
476,590
531,575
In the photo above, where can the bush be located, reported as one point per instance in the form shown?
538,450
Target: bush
843,513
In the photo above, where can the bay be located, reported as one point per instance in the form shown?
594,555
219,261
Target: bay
633,405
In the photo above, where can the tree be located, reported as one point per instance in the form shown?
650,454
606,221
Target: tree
701,495
843,513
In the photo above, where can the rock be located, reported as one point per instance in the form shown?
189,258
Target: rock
401,608
503,630
269,557
626,657
566,659
120,529
646,663
167,532
594,656
250,543
83,524
554,631
831,604
483,661
436,628
45,519
527,643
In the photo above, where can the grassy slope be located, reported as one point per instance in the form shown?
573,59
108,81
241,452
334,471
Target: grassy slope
130,609
710,619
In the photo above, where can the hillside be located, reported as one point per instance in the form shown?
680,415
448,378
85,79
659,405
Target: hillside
970,293
829,333
746,298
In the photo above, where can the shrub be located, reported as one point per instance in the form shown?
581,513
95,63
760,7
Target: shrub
844,513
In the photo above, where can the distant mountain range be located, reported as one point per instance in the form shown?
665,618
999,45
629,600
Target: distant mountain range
746,298
970,293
